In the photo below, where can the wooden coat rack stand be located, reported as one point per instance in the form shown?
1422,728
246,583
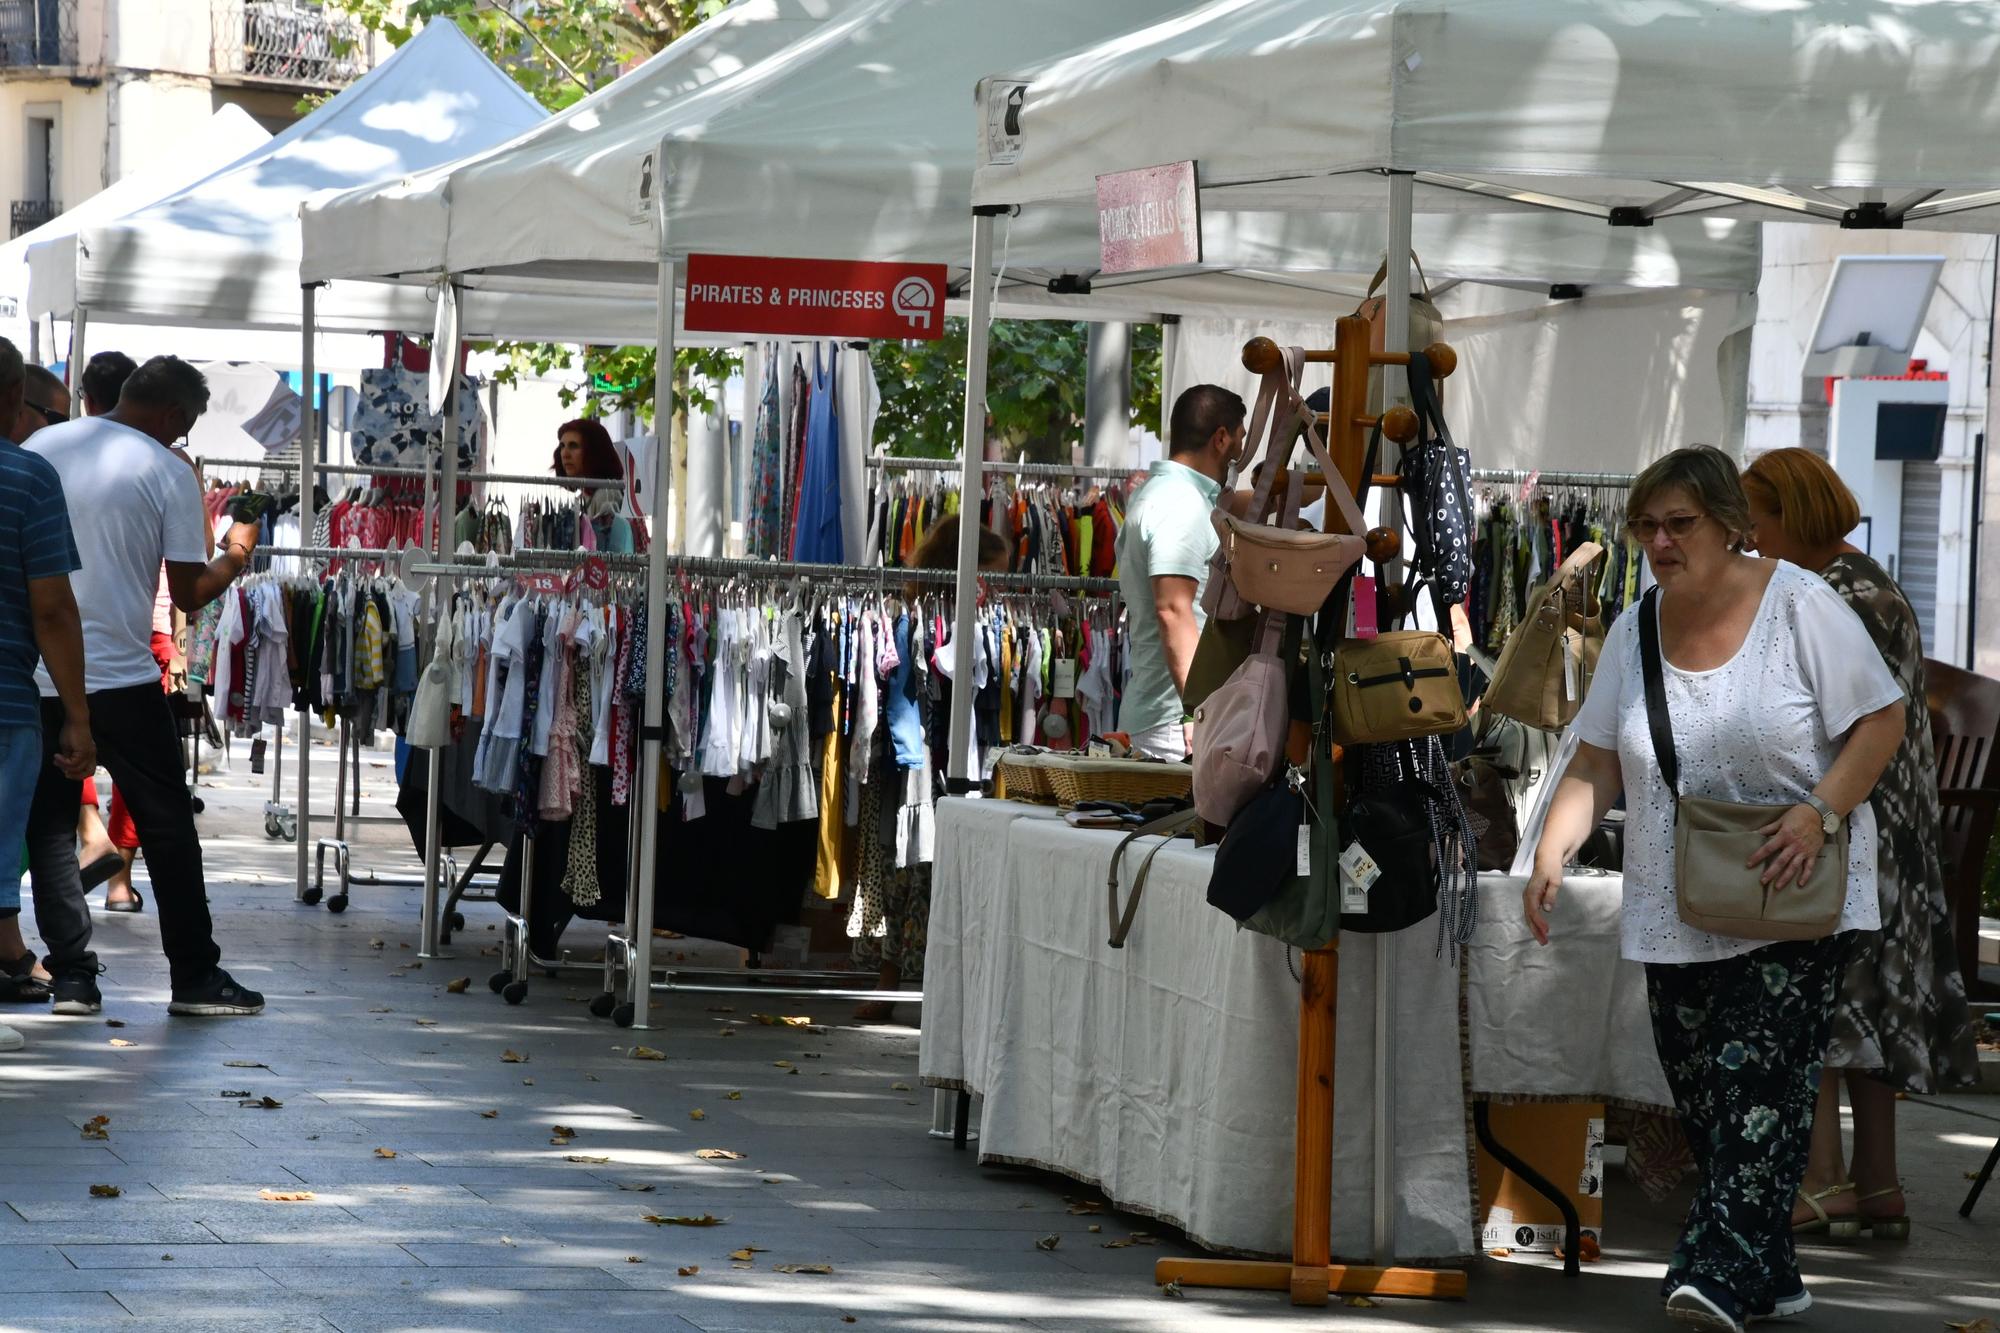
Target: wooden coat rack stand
1312,1275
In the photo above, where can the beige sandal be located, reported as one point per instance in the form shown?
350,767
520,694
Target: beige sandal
1835,1228
1884,1228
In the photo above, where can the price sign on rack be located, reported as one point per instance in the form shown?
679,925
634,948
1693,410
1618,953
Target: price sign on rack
550,585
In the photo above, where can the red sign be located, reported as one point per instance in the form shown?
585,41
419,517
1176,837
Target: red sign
1149,218
813,298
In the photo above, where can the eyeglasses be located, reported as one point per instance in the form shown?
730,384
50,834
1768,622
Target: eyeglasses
49,414
1645,528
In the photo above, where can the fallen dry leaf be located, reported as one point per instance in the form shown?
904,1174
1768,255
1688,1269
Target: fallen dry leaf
1981,1325
681,1220
385,1154
513,1058
690,1270
1360,1303
120,1041
95,1127
781,1064
728,1032
774,1180
647,1053
229,1092
262,1104
637,1187
899,1087
1500,1254
719,1009
1048,1242
381,1009
244,1064
489,1115
426,1022
697,1114
847,1319
286,1196
1096,1229
562,1130
527,1083
1116,1245
744,1255
732,1097
586,1160
1172,1291
783,1020
105,1191
114,1022
815,1270
718,1155
1079,1207
457,986
378,944
634,1259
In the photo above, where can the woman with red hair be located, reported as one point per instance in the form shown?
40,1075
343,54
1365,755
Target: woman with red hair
584,450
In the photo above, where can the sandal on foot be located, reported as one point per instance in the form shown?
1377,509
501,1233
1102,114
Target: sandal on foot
1893,1227
136,903
103,868
1835,1228
875,1011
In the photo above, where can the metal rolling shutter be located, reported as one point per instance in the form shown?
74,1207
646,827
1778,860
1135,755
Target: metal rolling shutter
1917,560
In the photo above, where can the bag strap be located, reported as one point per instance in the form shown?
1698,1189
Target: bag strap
1325,836
1382,276
1656,691
1166,828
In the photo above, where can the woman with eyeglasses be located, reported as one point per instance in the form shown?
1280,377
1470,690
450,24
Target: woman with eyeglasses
1774,696
1901,1022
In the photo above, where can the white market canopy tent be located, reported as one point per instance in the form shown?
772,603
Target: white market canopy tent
841,130
224,251
1855,112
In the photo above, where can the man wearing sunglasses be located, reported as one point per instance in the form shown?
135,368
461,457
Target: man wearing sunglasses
144,508
44,402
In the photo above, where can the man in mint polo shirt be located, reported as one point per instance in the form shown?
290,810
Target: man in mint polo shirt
1163,554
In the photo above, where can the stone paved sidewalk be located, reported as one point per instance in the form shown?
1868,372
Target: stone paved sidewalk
443,1197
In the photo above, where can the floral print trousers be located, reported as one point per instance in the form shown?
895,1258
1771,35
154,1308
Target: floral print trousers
1742,1041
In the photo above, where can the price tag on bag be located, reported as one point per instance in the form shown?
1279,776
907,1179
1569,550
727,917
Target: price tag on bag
1358,873
1572,655
1062,679
1303,862
1361,609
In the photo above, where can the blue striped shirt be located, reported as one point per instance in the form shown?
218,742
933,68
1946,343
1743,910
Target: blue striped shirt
35,543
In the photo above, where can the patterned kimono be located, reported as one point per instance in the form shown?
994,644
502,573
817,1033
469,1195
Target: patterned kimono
1902,1011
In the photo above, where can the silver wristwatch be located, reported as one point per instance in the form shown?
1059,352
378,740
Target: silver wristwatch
1829,818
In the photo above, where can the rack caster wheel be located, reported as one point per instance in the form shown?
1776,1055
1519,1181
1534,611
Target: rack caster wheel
312,897
623,1015
514,992
272,828
337,903
458,921
498,981
602,1005
290,827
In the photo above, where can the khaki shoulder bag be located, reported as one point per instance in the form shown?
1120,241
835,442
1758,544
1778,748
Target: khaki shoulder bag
1545,667
1715,887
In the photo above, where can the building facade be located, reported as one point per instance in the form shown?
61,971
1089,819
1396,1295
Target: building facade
1925,519
93,89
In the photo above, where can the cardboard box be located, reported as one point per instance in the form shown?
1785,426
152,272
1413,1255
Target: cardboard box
1564,1142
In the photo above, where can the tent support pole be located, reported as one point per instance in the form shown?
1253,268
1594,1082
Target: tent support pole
1170,346
639,969
1395,338
308,519
962,771
430,942
79,325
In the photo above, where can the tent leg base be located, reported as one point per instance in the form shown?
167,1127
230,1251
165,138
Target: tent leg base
1313,1284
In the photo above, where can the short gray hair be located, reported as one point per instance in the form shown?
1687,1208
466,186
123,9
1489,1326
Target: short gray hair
1711,479
13,377
167,381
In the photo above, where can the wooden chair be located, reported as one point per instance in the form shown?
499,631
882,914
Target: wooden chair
1965,723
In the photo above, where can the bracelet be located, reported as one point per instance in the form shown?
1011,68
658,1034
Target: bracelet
232,547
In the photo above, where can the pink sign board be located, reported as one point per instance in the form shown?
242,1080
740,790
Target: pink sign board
1149,218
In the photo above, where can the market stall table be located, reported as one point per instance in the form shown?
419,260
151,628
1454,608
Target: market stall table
1164,1073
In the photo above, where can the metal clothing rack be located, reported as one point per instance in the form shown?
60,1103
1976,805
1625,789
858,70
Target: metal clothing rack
781,569
891,463
421,474
1600,480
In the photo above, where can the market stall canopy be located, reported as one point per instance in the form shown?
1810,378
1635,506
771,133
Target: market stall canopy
1852,112
225,250
853,141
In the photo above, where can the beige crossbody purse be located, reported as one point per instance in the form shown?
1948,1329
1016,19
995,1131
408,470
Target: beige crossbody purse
1714,887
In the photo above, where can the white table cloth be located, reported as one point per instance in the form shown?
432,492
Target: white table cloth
1165,1072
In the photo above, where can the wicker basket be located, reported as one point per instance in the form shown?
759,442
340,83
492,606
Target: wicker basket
1024,777
1130,781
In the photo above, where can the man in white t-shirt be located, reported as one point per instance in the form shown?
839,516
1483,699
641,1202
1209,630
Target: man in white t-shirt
137,505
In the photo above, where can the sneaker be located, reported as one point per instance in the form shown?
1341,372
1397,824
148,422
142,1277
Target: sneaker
218,997
1700,1303
1784,1307
76,992
11,1040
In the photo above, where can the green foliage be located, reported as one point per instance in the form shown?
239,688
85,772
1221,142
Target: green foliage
1034,388
558,50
